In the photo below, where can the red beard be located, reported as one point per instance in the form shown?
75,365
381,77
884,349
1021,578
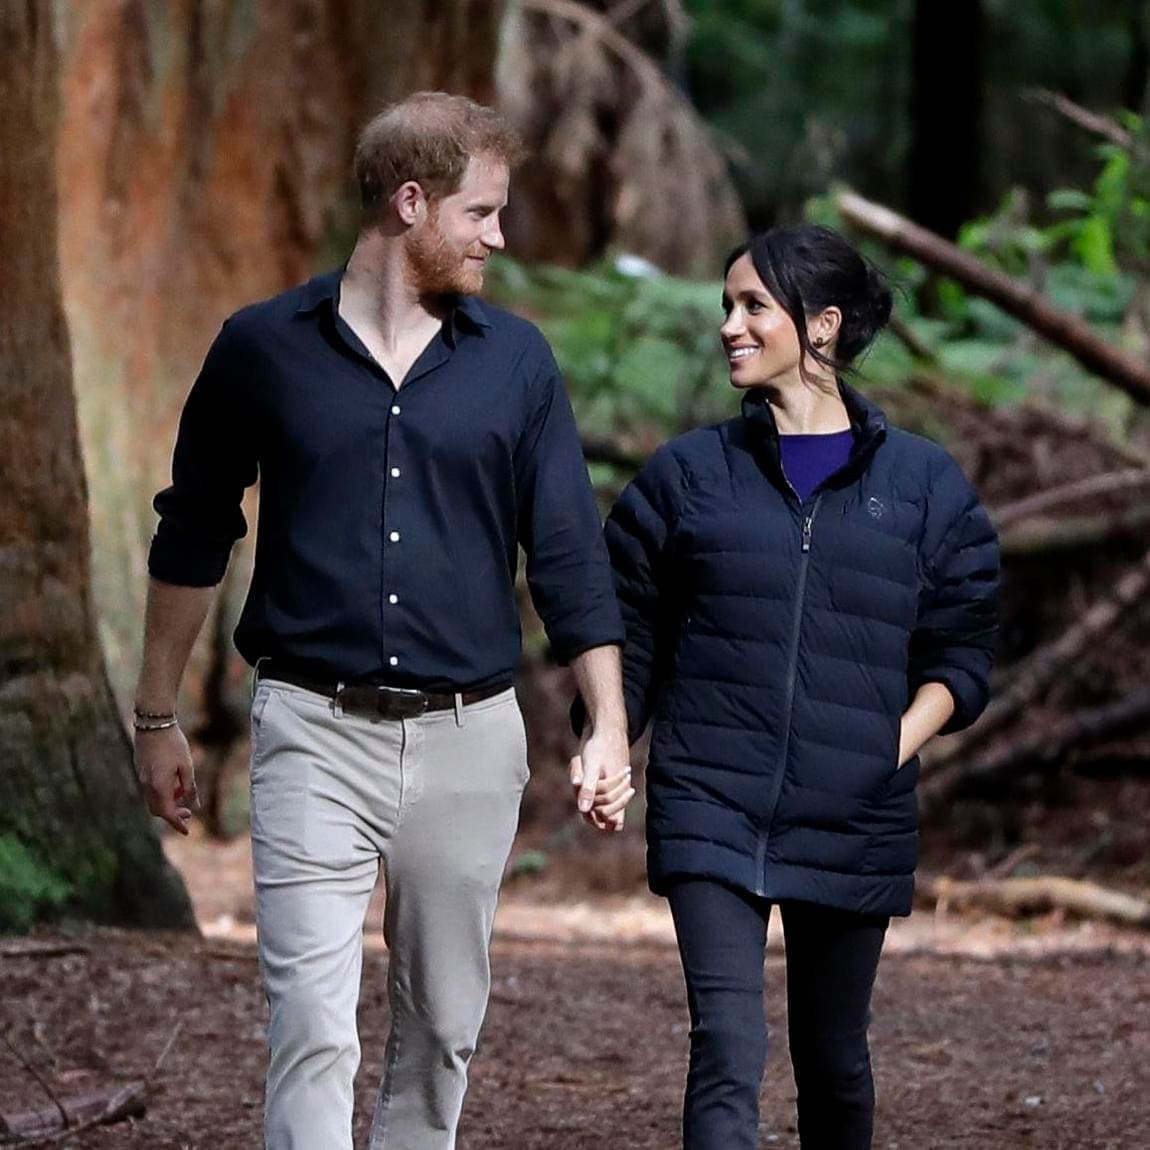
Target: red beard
437,268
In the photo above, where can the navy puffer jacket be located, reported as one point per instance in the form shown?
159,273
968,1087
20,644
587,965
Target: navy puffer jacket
778,643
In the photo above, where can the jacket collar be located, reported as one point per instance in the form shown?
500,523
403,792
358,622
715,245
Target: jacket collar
868,422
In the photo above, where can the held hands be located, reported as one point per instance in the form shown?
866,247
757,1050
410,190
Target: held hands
601,779
164,767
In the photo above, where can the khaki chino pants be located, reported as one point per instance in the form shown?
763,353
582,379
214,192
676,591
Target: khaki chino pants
435,799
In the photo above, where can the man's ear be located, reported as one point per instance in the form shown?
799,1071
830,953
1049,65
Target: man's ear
410,202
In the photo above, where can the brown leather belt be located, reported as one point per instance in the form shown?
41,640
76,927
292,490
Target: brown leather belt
374,700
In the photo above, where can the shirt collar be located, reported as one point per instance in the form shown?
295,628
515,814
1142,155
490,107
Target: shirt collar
325,288
319,290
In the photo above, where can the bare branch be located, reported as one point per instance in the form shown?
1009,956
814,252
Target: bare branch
44,1084
1035,675
1093,122
1018,299
1109,483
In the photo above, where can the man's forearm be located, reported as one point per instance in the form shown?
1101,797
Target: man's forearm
599,677
172,621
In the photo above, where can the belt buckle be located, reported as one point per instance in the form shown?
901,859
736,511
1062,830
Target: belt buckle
373,701
400,702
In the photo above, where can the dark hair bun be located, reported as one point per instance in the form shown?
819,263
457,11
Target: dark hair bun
881,299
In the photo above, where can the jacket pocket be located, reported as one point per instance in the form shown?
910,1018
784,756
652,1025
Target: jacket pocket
904,778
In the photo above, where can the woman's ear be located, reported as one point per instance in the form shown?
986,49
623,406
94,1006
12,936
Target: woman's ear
823,329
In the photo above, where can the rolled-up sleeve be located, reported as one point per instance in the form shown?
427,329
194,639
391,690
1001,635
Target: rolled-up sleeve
954,639
201,514
568,572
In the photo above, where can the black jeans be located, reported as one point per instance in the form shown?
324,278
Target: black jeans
832,958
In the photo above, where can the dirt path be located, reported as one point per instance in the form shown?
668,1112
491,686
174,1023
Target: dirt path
585,1046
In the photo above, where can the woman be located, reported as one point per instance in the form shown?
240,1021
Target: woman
809,597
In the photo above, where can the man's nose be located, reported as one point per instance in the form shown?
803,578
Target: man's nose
493,237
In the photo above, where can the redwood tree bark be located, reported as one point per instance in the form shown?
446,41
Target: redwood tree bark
72,822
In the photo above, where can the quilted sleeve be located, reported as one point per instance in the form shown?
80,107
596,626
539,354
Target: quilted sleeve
954,638
638,531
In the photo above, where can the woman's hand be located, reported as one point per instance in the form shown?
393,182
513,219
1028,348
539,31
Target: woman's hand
601,778
932,706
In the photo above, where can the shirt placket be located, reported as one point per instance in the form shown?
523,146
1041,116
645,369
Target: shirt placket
392,537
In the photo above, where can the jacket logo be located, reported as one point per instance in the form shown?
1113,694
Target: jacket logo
876,508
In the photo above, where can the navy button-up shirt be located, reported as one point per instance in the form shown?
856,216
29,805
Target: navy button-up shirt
389,521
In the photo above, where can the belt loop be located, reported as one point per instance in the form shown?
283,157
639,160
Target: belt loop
256,672
336,701
458,709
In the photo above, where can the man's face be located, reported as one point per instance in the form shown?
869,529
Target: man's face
448,251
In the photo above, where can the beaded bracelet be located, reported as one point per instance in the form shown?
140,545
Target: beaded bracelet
153,714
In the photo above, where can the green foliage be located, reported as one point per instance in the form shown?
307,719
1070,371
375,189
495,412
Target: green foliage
802,90
29,890
528,865
639,352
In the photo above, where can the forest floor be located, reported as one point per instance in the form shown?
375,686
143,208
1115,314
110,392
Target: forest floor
986,1033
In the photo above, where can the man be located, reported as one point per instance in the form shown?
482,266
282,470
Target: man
408,439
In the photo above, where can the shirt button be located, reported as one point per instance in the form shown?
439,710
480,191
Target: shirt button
393,598
395,409
394,661
395,473
394,537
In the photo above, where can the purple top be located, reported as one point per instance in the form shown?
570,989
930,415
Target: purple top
809,459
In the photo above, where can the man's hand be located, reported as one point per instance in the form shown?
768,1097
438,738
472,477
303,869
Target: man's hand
601,779
164,766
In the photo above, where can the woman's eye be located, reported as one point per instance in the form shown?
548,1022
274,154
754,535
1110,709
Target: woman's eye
754,307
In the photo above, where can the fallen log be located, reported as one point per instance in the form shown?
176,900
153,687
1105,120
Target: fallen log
42,949
1043,502
1071,532
1015,897
75,1112
1036,673
1043,752
69,1116
933,387
1015,297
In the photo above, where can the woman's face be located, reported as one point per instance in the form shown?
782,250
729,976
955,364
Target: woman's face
760,341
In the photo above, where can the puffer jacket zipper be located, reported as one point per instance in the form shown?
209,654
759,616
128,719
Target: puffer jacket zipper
808,522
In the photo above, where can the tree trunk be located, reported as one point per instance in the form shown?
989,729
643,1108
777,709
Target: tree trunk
74,833
945,122
204,157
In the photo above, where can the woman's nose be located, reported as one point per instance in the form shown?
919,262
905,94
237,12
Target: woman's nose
732,325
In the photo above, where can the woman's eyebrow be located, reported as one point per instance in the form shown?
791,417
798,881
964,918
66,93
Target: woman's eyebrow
748,293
